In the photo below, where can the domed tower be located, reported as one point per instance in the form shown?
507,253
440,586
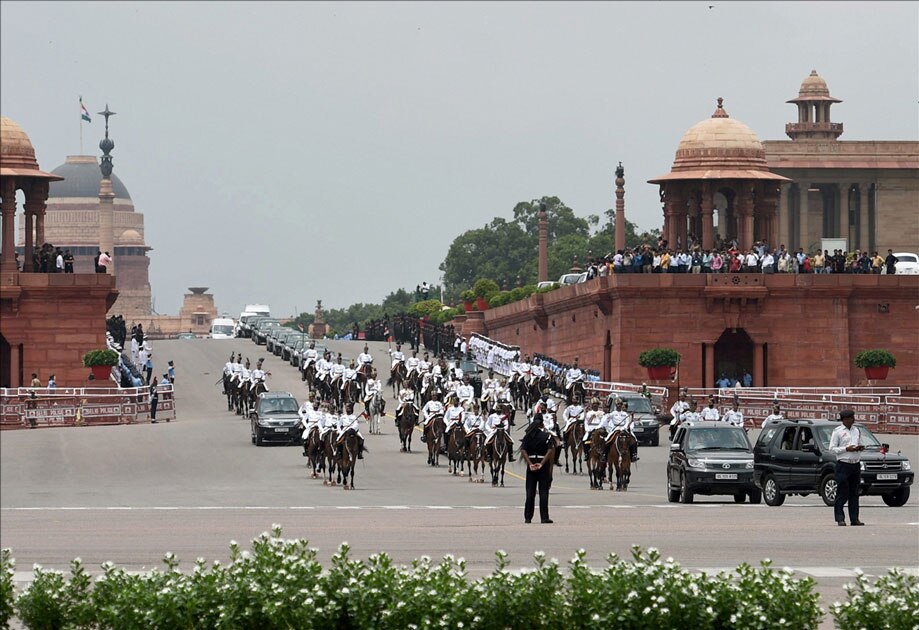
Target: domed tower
813,103
720,165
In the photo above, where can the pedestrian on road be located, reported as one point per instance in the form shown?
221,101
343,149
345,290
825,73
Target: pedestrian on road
538,450
154,400
846,443
171,371
148,366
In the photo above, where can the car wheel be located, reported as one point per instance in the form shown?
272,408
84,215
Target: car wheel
771,493
897,498
258,437
828,490
656,439
686,495
756,497
740,496
672,495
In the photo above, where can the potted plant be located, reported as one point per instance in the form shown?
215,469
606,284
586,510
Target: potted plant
659,361
484,289
876,363
467,297
100,362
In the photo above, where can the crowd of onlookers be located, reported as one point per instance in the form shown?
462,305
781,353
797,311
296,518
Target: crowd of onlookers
51,259
726,257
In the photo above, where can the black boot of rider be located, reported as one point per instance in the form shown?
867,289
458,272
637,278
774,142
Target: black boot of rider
633,452
360,450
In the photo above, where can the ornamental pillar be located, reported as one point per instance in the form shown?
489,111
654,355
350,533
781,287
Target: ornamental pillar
708,219
865,234
8,212
746,218
803,227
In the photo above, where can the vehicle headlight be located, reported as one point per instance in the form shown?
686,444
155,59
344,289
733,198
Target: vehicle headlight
749,466
695,463
862,466
905,465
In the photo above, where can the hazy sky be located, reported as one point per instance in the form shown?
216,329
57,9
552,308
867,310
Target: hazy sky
286,152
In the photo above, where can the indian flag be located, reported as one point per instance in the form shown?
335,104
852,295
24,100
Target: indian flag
83,113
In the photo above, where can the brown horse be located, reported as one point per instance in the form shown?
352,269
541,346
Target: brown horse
396,378
330,456
406,422
312,448
347,457
574,446
620,459
594,455
456,449
475,455
498,450
434,437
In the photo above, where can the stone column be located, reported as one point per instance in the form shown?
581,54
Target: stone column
543,244
803,227
29,246
620,209
864,231
106,221
708,218
745,200
758,364
8,211
709,365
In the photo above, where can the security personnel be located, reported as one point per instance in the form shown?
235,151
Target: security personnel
711,412
846,443
538,451
733,415
774,417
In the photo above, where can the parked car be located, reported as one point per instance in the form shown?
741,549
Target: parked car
473,371
186,335
907,264
545,284
794,457
278,338
290,343
569,278
710,458
582,277
247,326
646,422
275,419
260,332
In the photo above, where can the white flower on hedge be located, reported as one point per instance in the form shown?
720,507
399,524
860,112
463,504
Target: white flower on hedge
646,610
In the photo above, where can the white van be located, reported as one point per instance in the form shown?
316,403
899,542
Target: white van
223,328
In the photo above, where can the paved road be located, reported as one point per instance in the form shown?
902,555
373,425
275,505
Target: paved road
130,493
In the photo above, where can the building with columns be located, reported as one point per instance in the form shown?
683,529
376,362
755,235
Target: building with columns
48,321
720,169
864,191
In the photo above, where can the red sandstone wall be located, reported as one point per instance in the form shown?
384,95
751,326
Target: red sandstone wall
812,325
57,318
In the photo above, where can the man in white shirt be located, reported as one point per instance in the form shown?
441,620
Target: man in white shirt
397,357
406,398
691,414
350,422
431,410
411,364
845,442
465,391
750,261
594,419
453,417
364,361
574,413
711,412
322,367
767,263
733,416
337,370
622,420
573,375
677,410
774,417
310,356
499,420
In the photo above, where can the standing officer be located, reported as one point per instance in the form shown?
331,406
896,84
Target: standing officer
845,442
538,450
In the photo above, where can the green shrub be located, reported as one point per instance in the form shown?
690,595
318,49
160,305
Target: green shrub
875,358
517,294
100,357
7,597
484,288
891,603
425,308
468,295
499,299
546,289
659,357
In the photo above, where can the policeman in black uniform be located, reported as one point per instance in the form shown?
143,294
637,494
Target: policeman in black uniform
538,450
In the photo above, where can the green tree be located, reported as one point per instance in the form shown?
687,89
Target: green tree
560,219
633,238
500,251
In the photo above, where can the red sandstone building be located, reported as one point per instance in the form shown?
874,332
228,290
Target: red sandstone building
785,329
47,321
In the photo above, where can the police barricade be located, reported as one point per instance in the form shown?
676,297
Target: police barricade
26,407
881,409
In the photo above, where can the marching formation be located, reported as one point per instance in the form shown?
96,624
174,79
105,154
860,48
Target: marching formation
242,385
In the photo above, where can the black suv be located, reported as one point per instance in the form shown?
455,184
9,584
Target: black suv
710,458
275,419
794,457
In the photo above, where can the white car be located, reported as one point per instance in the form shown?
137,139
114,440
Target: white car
907,264
569,278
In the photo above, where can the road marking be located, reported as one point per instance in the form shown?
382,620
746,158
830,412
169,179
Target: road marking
827,571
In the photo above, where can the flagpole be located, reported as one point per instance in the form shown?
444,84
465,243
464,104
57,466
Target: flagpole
81,125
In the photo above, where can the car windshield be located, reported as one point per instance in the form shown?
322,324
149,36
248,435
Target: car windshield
866,437
710,439
639,404
278,405
223,330
910,258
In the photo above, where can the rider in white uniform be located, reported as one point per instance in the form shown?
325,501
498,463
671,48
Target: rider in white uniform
364,358
348,421
406,398
397,357
677,410
465,391
594,419
499,420
574,413
258,374
328,421
431,410
411,364
692,414
453,416
350,374
573,375
310,356
622,420
322,367
337,371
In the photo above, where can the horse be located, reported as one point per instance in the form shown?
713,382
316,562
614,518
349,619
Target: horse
309,375
577,392
434,436
620,459
396,378
312,448
594,457
346,460
228,391
456,449
374,411
250,395
328,453
406,422
574,447
351,392
499,450
475,454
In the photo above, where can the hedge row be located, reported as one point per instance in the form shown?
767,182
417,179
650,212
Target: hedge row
281,584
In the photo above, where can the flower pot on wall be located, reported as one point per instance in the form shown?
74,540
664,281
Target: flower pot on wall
481,303
659,372
877,373
101,372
